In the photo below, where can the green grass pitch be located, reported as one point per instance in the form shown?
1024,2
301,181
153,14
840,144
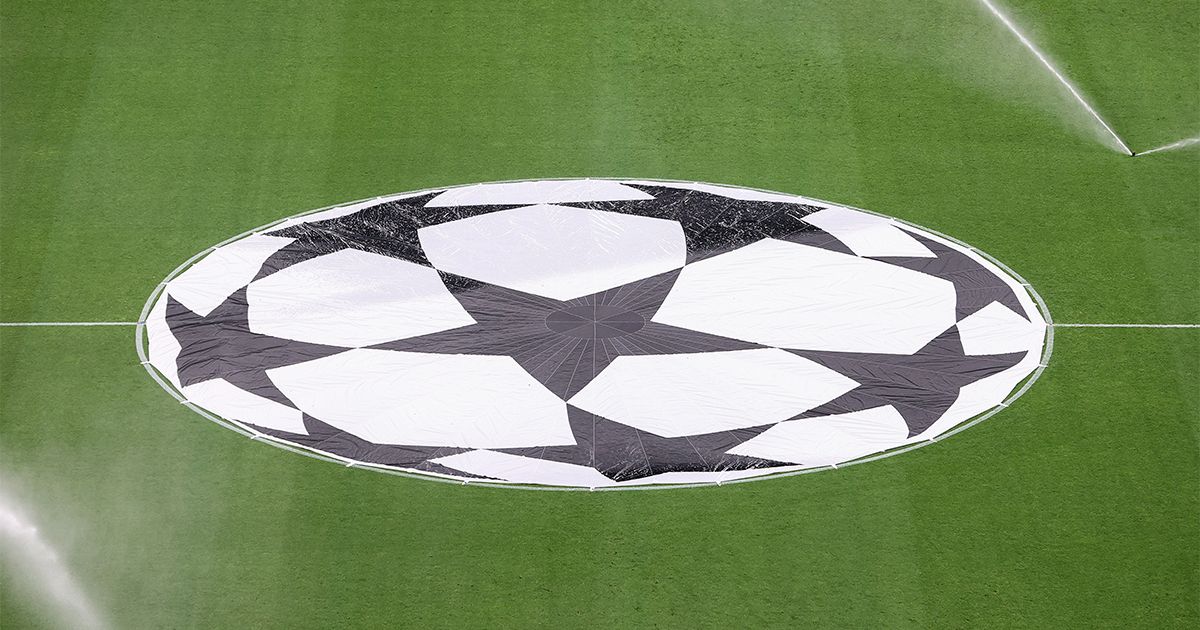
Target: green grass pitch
135,134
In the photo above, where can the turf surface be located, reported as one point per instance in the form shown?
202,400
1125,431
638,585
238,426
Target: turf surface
133,135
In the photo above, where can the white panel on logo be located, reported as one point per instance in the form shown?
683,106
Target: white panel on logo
555,251
226,269
554,191
995,329
828,440
409,398
518,469
795,296
868,235
353,298
682,394
164,348
235,403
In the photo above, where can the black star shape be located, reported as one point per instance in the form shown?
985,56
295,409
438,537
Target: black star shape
920,386
974,284
621,452
330,439
221,345
565,344
389,229
715,224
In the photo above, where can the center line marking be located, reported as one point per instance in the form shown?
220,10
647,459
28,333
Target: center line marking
1058,325
68,323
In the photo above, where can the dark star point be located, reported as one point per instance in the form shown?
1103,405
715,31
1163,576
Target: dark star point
565,344
920,386
623,453
221,345
974,285
388,229
715,224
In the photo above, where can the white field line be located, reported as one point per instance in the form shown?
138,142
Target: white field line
1008,23
1057,325
68,323
1186,142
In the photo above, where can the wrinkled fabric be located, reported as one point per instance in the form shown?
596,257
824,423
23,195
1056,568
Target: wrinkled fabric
595,333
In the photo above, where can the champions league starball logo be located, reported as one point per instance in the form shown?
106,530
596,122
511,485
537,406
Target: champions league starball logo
594,333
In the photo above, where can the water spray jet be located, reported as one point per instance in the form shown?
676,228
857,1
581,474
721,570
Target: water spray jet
1045,61
1179,144
26,554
